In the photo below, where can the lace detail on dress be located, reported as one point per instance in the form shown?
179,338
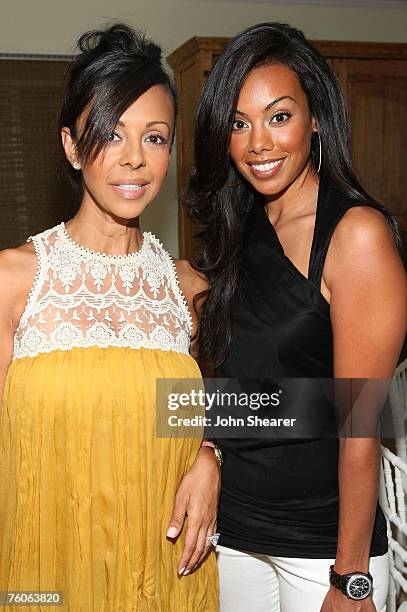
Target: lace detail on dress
83,298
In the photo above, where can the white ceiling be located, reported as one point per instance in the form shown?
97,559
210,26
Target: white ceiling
345,3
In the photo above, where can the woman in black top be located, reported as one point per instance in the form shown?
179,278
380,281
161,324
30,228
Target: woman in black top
305,281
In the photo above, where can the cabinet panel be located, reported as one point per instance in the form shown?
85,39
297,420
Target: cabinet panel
377,98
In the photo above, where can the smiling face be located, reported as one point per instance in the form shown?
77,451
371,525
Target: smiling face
129,172
271,139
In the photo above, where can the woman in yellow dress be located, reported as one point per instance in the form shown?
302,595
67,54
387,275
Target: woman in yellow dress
92,312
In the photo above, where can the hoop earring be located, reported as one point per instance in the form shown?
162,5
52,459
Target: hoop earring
320,154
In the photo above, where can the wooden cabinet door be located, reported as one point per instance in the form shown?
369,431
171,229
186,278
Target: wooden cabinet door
377,99
192,62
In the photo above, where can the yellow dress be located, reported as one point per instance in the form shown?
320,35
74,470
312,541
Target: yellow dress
86,486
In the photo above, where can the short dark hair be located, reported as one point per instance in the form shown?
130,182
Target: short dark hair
115,66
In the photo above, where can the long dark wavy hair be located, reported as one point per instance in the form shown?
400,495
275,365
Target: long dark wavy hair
219,198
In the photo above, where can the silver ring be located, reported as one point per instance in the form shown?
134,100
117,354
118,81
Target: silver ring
214,539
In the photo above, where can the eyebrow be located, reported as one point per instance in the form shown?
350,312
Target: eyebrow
149,124
270,105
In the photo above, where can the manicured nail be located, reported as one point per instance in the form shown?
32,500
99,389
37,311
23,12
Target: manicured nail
172,532
186,572
181,570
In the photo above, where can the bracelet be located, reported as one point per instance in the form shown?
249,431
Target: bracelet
207,443
216,450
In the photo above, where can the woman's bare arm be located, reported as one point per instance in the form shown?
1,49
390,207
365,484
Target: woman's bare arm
17,272
198,493
192,284
368,304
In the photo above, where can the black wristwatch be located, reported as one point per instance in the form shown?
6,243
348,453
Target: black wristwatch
355,585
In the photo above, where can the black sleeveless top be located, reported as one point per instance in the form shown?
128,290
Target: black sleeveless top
280,497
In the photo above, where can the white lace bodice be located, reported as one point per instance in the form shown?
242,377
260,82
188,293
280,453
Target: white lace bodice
82,298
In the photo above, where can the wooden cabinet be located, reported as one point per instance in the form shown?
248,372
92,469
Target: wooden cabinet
374,78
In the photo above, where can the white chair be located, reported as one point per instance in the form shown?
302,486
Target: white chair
398,402
392,496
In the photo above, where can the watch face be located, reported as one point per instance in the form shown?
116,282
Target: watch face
359,587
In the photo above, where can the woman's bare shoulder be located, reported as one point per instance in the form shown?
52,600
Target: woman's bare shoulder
361,239
361,229
19,260
17,272
191,281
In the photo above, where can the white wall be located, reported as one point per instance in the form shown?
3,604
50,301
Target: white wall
52,26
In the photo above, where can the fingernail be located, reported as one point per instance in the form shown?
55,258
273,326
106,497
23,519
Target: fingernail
181,570
186,572
172,532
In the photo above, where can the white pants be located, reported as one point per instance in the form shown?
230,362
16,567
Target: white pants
263,583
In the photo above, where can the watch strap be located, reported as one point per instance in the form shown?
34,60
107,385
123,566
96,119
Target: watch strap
340,581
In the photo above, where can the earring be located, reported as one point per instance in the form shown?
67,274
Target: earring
320,154
76,165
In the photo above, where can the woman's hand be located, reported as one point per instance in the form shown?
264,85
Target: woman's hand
197,498
335,601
